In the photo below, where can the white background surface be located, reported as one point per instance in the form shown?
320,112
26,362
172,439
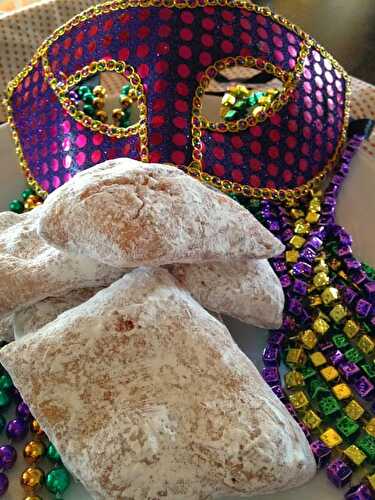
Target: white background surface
356,211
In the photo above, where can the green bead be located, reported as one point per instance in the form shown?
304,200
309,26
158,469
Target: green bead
258,95
308,372
89,110
4,399
88,98
318,388
16,206
58,480
329,406
231,115
2,423
353,355
52,453
240,105
346,427
125,89
26,193
83,89
340,341
366,443
5,382
369,370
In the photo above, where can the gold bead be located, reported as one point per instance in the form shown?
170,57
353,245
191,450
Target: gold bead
296,356
296,213
371,480
32,201
102,116
355,454
366,344
331,438
228,100
265,100
294,378
301,227
312,217
272,91
35,427
299,400
32,478
334,264
321,267
354,410
297,241
351,328
329,294
315,300
318,359
314,205
33,497
132,93
99,102
126,101
99,91
33,451
370,427
329,373
342,391
257,111
338,313
320,326
291,256
309,339
311,419
117,114
321,279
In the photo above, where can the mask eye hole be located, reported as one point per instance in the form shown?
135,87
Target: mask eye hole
108,97
239,92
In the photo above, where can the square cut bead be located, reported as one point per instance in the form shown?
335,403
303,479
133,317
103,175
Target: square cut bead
371,481
346,427
296,213
318,359
315,300
309,339
291,255
311,419
318,388
355,455
369,370
321,452
300,287
308,372
299,400
336,357
351,328
312,217
370,427
363,308
296,356
271,375
301,227
340,341
359,492
302,268
366,344
353,355
294,379
329,373
331,438
364,387
321,279
329,406
329,294
338,313
315,205
297,241
320,326
339,473
366,443
342,391
349,370
321,267
354,410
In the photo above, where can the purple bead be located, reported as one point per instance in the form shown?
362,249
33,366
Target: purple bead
326,347
349,370
4,483
295,307
325,219
279,265
287,234
339,473
8,456
352,264
277,338
291,410
370,288
285,280
359,492
364,387
349,295
337,179
271,375
363,307
336,358
344,237
359,277
305,430
315,243
14,393
308,254
271,355
289,323
321,452
302,268
279,391
17,429
23,411
300,287
273,226
345,251
329,201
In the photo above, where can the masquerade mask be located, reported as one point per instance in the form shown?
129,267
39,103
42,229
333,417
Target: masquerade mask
170,53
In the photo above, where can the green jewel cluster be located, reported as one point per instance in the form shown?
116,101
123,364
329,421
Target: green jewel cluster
239,102
28,201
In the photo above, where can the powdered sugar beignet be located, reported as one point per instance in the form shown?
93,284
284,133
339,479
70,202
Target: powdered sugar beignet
146,396
248,290
127,214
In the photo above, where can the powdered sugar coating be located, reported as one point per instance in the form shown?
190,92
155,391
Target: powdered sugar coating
248,290
146,396
31,270
127,214
34,317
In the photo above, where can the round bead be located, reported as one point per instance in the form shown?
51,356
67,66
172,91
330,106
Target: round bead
102,116
4,483
17,429
4,400
88,98
26,193
132,93
52,453
83,89
16,206
33,451
33,497
99,91
117,114
32,478
89,110
5,382
32,202
58,480
8,456
125,89
126,101
99,102
23,411
35,427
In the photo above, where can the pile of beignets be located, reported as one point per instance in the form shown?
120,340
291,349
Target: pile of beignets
144,393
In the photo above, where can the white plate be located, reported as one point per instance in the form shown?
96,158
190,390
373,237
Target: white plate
250,340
